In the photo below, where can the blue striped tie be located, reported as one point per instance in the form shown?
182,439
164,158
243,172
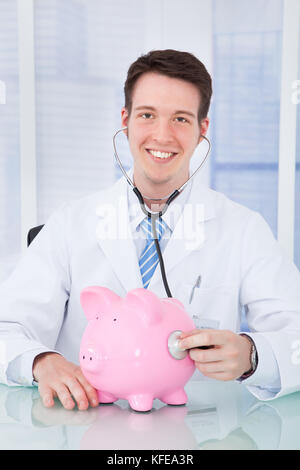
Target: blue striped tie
149,257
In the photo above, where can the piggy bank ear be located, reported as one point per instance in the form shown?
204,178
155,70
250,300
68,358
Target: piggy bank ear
146,305
97,300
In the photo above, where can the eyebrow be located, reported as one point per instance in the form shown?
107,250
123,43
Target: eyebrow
151,108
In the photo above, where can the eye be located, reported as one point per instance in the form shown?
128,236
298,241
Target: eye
115,319
181,119
146,115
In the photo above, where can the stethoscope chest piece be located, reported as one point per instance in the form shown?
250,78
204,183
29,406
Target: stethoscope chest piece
173,346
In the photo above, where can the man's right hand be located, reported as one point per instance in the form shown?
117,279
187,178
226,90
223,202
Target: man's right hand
60,378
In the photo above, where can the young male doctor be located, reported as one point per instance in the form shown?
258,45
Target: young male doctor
235,263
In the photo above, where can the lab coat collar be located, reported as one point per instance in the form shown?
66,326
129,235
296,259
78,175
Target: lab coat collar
115,236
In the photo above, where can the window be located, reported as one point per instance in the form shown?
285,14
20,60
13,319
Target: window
9,139
79,93
246,110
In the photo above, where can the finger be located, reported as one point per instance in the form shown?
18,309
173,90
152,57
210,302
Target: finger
223,376
47,395
90,391
203,338
211,367
184,334
64,396
211,355
77,392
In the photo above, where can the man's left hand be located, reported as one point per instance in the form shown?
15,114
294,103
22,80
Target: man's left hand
228,357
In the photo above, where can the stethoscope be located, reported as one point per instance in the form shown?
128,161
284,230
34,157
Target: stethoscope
173,339
155,215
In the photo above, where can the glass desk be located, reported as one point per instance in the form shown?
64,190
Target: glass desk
218,415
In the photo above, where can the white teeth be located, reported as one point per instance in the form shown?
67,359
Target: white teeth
158,154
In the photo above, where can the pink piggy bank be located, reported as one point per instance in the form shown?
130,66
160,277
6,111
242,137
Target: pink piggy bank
129,348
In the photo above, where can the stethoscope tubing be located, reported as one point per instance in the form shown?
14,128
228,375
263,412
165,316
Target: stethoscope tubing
155,215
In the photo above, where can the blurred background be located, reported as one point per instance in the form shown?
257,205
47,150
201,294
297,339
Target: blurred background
62,70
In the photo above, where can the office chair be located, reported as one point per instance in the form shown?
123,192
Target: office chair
33,233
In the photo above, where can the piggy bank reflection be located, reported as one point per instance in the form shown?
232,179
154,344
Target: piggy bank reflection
125,349
115,427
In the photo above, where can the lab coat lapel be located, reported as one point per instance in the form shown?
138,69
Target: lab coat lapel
189,233
114,235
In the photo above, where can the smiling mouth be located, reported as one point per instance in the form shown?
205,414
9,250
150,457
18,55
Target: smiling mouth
161,156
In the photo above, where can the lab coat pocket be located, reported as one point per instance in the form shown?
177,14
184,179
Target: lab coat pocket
214,307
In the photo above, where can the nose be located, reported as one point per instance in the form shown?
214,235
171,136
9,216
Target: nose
163,132
90,359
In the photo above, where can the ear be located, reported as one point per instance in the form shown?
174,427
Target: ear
203,128
146,305
124,119
96,300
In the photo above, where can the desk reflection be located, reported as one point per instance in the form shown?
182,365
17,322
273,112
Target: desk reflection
218,416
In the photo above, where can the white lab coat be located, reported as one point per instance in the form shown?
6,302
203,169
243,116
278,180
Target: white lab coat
239,261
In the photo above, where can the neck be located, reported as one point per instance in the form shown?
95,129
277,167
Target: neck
152,191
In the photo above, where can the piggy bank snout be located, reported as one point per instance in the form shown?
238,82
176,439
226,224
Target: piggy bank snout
90,359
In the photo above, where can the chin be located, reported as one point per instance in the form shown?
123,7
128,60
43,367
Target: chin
158,178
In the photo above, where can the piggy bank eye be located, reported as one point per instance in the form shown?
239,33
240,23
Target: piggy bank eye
97,318
115,319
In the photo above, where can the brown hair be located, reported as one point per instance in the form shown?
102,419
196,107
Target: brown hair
176,64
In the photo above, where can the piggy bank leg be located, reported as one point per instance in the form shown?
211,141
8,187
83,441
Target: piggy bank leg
178,397
105,397
141,402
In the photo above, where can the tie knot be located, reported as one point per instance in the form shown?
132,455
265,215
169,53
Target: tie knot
160,225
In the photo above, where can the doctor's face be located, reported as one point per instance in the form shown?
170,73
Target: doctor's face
163,130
